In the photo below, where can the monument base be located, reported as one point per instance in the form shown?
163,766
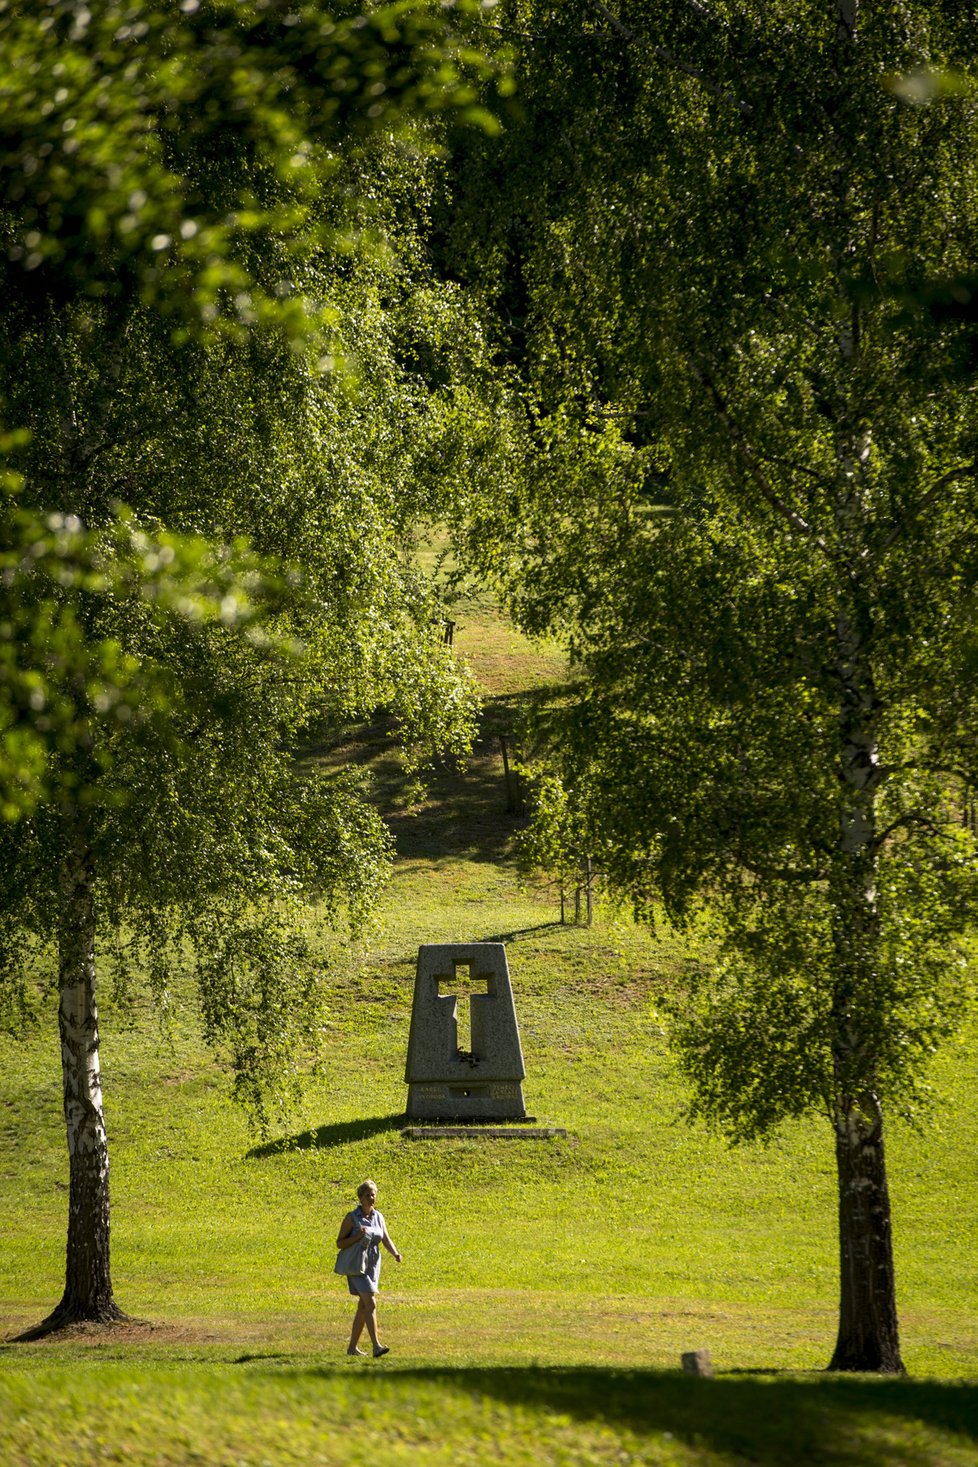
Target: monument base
476,1132
483,1100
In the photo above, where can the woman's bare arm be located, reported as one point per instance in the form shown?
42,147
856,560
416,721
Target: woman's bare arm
349,1232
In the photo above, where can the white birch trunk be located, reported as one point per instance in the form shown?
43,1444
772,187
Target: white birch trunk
868,1337
88,1285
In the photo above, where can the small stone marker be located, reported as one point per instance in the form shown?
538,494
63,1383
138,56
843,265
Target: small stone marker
447,1080
697,1362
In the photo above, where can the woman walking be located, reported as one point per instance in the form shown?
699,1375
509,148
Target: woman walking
366,1225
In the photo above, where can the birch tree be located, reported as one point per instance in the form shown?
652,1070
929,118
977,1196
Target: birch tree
184,832
751,509
212,522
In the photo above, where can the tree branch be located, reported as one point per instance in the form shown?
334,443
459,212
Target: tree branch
960,471
913,818
804,874
750,462
913,766
669,57
118,325
795,468
67,410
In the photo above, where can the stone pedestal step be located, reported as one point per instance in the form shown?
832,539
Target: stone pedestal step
502,1133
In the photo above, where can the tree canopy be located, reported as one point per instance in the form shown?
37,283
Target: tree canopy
229,376
194,162
181,152
748,501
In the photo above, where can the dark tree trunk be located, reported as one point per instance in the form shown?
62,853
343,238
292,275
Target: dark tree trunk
868,1335
88,1284
868,1331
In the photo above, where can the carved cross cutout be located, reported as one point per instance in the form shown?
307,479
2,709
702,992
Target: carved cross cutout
464,987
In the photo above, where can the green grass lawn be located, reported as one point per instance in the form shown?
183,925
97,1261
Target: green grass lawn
548,1287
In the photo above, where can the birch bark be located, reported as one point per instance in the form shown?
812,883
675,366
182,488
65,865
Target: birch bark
88,1285
868,1337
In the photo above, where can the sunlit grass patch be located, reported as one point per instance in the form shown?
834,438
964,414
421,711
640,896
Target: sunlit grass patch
548,1288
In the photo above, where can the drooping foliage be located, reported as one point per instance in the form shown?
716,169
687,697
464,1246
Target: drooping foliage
750,507
201,831
229,377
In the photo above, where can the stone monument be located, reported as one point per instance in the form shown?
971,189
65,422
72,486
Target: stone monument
451,1075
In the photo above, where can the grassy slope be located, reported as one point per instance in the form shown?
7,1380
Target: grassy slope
604,1254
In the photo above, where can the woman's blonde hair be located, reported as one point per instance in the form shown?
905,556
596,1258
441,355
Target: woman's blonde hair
367,1186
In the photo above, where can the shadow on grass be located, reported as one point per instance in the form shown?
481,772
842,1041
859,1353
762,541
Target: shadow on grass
846,1421
340,1133
518,932
465,815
